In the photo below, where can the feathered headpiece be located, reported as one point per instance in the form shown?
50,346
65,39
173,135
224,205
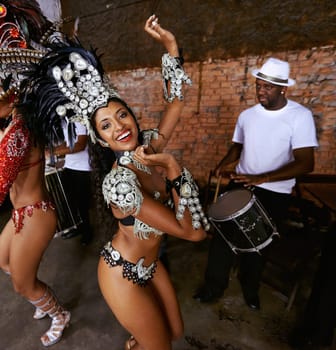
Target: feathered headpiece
23,32
67,85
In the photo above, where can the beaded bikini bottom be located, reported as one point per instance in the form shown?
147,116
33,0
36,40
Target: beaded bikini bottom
137,273
19,214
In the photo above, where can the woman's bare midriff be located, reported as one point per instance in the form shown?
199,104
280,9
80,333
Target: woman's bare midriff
29,187
132,248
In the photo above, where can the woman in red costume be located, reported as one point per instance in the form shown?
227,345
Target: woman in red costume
33,223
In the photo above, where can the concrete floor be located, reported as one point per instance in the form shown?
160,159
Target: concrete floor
226,325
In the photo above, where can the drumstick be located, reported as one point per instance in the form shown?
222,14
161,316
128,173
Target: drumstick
217,188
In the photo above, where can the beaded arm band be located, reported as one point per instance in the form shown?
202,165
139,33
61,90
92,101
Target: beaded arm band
122,188
187,190
173,72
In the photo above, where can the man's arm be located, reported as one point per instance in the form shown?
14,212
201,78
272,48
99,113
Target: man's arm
231,156
78,147
303,163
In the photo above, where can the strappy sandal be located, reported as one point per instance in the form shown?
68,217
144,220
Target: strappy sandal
48,305
130,343
39,314
55,332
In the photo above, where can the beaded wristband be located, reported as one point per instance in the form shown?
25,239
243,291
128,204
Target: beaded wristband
187,189
173,72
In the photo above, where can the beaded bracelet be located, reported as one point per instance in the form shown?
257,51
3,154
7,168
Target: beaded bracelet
173,72
187,189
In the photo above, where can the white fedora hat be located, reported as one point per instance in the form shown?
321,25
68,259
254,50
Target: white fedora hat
274,71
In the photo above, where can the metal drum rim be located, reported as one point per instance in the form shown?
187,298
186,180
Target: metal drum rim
237,213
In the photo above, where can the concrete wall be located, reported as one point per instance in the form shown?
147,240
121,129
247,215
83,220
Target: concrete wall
217,29
221,90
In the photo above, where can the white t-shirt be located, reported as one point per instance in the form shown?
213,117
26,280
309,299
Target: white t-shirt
79,160
269,138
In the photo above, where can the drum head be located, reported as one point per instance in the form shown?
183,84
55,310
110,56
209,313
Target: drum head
229,203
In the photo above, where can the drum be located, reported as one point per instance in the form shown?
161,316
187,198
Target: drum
241,220
68,218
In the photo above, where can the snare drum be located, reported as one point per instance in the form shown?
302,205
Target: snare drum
68,218
242,221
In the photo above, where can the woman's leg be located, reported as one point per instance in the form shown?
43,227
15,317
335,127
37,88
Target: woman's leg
5,243
137,308
166,295
26,250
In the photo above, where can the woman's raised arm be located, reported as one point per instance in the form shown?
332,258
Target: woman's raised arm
174,77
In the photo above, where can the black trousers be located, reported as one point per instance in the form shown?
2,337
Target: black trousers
77,186
221,258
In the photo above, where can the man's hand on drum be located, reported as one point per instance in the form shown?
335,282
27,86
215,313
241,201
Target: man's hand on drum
224,173
249,180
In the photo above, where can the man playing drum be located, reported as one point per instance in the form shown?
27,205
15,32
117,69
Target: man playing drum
273,143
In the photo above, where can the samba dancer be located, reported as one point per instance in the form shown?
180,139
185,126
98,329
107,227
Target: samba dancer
133,281
33,223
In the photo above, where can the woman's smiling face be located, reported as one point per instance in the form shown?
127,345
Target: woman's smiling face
117,126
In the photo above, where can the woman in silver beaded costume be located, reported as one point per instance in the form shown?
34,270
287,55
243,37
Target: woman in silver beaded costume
132,279
71,84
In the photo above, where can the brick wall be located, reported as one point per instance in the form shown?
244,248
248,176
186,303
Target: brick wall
221,90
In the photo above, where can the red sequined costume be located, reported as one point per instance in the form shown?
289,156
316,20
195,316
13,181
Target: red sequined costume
13,149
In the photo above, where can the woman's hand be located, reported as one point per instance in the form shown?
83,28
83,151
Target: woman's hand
153,28
164,160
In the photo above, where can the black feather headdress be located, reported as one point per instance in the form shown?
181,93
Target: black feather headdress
67,85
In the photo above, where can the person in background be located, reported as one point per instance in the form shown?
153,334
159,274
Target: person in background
273,143
76,180
32,225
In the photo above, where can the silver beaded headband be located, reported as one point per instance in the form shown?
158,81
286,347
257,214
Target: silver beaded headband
84,87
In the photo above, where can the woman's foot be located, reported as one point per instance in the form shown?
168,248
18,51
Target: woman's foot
130,343
55,332
60,318
39,314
